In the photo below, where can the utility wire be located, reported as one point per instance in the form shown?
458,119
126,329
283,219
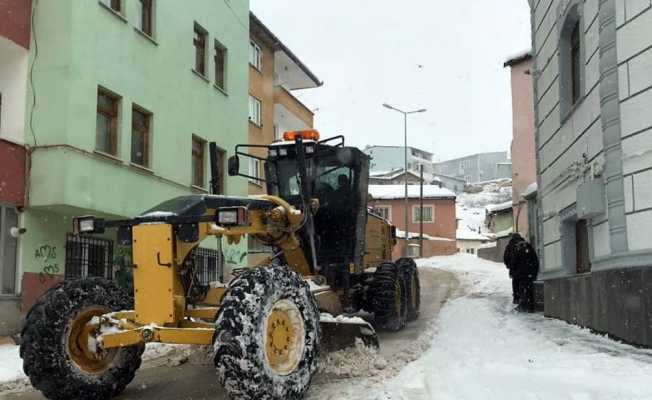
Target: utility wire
245,26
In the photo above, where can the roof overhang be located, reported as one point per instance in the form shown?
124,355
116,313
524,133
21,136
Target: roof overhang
289,69
518,59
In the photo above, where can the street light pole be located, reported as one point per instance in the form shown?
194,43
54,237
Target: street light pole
407,205
405,169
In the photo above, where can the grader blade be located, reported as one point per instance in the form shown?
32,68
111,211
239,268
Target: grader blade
342,332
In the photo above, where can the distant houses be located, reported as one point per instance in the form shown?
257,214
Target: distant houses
470,242
389,158
439,218
476,168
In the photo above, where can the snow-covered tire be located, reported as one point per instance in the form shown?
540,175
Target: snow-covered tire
54,362
388,298
410,274
246,336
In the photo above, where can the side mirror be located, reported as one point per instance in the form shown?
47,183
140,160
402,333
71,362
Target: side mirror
234,166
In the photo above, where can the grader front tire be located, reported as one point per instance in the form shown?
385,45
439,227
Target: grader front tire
267,338
388,298
410,273
54,348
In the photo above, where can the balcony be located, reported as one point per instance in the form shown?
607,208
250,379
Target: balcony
290,113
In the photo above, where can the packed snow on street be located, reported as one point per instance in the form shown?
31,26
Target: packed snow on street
479,348
482,349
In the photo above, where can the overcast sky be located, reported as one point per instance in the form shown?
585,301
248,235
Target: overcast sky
443,55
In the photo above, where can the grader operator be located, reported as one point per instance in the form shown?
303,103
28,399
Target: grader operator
332,258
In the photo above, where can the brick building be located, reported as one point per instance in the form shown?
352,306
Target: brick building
439,218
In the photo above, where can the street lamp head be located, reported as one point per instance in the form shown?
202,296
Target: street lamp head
388,106
422,110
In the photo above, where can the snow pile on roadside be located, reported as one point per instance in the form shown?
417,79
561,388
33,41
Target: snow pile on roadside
354,362
11,365
484,350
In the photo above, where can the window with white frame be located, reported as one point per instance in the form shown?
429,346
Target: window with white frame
428,214
413,251
255,111
8,250
255,55
384,211
254,171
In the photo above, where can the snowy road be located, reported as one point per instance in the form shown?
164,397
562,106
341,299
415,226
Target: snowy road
477,348
483,350
191,381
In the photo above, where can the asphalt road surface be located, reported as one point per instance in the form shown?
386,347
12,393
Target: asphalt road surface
200,382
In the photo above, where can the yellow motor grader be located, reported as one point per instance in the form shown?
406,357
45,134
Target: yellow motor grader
331,259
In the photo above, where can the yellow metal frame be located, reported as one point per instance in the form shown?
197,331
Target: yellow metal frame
160,311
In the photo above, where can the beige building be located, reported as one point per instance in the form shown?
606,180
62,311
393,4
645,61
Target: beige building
274,73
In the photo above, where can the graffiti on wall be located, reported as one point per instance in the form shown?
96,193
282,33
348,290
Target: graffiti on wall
234,255
46,256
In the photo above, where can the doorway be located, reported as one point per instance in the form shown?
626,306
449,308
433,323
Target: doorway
582,254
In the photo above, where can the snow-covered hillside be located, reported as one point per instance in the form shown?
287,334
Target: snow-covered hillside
471,206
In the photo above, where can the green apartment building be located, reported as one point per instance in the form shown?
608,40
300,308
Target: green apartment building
122,99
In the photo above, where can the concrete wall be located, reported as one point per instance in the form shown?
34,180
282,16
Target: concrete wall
605,141
634,38
496,253
562,139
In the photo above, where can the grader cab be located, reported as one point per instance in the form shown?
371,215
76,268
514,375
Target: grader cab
331,258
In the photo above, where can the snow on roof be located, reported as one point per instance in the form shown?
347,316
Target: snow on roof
531,189
389,192
395,173
457,178
413,235
499,207
374,174
518,58
467,234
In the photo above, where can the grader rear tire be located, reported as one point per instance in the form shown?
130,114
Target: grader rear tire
388,298
267,337
410,273
54,348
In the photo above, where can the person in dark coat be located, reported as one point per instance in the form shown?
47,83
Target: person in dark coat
510,263
525,271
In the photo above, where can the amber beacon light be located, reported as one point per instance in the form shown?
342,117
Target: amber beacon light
311,134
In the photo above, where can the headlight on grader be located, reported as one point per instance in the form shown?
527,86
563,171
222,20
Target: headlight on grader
232,216
87,224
